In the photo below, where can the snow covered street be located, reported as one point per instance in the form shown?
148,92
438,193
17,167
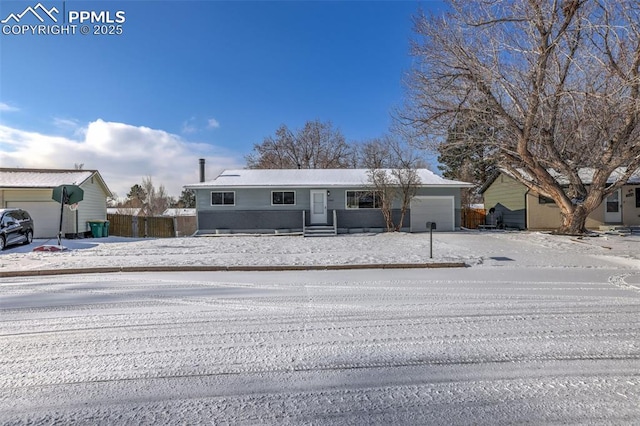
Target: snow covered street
539,329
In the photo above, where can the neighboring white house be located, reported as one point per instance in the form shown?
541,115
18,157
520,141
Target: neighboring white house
277,200
31,189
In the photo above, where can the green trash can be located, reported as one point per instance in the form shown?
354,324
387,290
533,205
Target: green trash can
105,228
96,228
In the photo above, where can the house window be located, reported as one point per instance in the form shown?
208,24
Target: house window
223,198
638,197
363,200
545,200
283,197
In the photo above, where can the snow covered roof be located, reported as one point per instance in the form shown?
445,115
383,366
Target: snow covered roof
135,211
179,212
42,178
585,174
309,178
129,211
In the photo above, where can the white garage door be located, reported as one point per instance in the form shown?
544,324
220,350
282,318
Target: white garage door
438,209
45,215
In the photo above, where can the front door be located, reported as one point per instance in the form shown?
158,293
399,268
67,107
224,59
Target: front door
613,208
318,207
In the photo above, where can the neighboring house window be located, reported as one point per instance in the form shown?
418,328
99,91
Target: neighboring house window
283,197
545,200
638,197
223,198
363,200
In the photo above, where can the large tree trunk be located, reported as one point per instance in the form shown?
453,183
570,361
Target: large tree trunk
573,221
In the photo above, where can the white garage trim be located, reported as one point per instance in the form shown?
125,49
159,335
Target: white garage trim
433,208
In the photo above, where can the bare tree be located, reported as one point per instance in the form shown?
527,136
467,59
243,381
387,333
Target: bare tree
373,154
157,200
112,200
316,146
384,192
392,169
558,83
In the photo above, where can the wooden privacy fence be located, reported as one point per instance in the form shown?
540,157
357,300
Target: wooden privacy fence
141,226
472,218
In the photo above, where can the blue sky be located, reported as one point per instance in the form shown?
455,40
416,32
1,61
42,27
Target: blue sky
191,79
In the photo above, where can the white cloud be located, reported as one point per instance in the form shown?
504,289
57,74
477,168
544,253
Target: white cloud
4,107
122,153
66,123
193,125
189,126
212,123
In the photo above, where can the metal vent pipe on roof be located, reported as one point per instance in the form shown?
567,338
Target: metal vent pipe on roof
202,170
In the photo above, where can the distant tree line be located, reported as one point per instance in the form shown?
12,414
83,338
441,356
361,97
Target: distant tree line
320,145
152,201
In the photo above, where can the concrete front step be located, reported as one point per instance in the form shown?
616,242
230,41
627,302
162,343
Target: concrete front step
319,231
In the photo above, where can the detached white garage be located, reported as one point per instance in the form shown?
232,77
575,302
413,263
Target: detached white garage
31,190
438,209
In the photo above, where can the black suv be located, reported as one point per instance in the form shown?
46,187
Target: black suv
16,226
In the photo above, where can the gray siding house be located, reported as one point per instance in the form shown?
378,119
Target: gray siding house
295,200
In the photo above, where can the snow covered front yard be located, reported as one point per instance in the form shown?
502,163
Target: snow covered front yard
538,329
473,248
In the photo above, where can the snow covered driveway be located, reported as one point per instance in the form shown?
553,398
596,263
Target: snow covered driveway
540,329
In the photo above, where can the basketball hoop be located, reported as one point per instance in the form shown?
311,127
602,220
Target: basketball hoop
73,207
